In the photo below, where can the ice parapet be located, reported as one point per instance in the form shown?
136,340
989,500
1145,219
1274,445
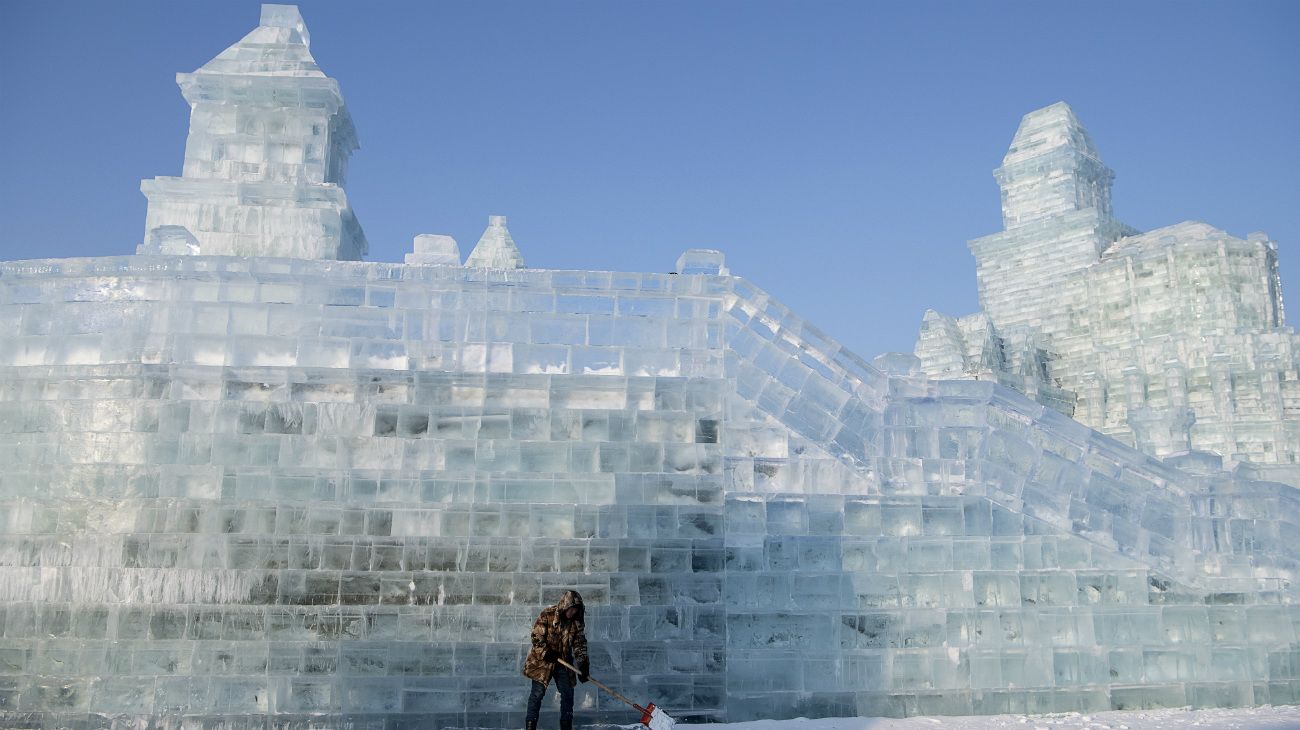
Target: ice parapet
267,152
1171,340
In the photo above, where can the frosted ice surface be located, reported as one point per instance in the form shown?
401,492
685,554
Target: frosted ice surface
278,489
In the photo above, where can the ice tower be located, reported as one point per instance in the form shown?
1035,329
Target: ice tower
251,491
267,154
1056,211
1173,340
1052,168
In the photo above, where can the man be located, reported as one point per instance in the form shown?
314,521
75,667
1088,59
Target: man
557,634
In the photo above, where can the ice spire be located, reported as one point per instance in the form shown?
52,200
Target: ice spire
496,249
267,152
278,46
1052,167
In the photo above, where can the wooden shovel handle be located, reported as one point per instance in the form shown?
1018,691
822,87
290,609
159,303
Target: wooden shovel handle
639,708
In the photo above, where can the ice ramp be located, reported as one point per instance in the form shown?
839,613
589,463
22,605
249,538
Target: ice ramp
908,435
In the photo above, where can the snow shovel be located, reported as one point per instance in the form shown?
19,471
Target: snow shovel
651,716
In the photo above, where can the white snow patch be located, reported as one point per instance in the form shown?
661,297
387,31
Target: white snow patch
1246,718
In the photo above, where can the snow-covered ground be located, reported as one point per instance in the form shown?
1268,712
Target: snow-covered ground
1251,718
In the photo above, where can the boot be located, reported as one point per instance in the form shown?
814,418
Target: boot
530,725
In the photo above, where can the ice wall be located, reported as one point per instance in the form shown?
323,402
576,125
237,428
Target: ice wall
250,489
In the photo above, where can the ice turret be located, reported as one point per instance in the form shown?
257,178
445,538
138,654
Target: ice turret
1056,211
267,152
1052,167
496,249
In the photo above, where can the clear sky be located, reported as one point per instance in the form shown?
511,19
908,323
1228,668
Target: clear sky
838,152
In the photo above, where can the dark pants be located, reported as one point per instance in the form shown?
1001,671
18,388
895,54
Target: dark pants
564,684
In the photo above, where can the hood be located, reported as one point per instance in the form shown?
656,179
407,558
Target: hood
571,598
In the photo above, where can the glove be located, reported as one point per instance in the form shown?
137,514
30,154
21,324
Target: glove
584,671
550,656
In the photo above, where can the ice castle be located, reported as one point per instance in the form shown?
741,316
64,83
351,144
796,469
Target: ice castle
1172,340
249,483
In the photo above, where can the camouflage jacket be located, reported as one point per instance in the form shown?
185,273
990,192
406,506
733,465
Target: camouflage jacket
566,638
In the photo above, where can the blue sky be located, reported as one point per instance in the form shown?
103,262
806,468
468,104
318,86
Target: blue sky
838,152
